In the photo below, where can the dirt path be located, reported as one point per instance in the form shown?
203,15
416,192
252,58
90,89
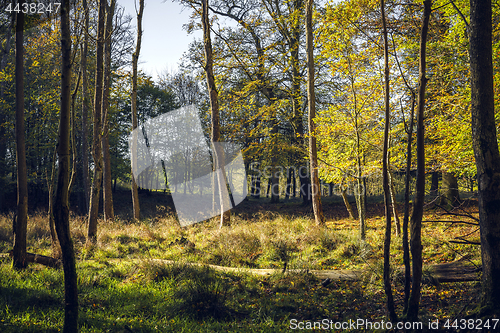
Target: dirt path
456,271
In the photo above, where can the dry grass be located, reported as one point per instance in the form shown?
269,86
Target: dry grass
263,239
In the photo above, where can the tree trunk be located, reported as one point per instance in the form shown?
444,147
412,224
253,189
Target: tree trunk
311,100
484,138
275,180
214,107
360,204
3,112
386,176
61,204
418,208
348,206
406,217
394,202
288,188
135,60
449,186
19,256
297,121
434,184
96,145
85,108
109,214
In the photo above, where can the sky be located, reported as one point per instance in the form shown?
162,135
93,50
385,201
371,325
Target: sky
163,41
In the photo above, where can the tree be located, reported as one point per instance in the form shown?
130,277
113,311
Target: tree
418,207
85,105
4,55
21,222
107,192
484,138
96,144
349,130
61,203
385,172
311,100
219,163
135,60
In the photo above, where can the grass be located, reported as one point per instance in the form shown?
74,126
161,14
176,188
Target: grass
144,295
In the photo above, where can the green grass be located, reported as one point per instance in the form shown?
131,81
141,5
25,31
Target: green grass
143,295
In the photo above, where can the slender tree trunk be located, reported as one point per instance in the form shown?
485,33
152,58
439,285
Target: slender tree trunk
51,184
135,60
297,121
19,255
288,188
484,138
85,108
275,179
311,99
406,247
96,145
3,112
109,214
434,184
418,208
385,176
214,107
393,201
348,206
61,204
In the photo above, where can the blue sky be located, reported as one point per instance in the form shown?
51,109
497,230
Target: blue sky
163,41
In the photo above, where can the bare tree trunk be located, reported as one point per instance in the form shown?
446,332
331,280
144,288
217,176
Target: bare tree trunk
214,107
311,99
348,206
135,60
386,176
96,148
19,255
3,143
56,248
449,186
418,208
393,201
61,204
484,138
109,214
85,108
406,217
434,184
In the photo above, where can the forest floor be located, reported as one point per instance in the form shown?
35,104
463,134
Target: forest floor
138,276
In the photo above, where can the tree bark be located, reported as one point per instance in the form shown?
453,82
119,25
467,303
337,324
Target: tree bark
61,204
85,107
135,60
225,217
484,139
41,259
418,208
434,184
386,175
311,100
449,186
3,112
348,206
19,258
406,217
96,144
393,200
109,214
